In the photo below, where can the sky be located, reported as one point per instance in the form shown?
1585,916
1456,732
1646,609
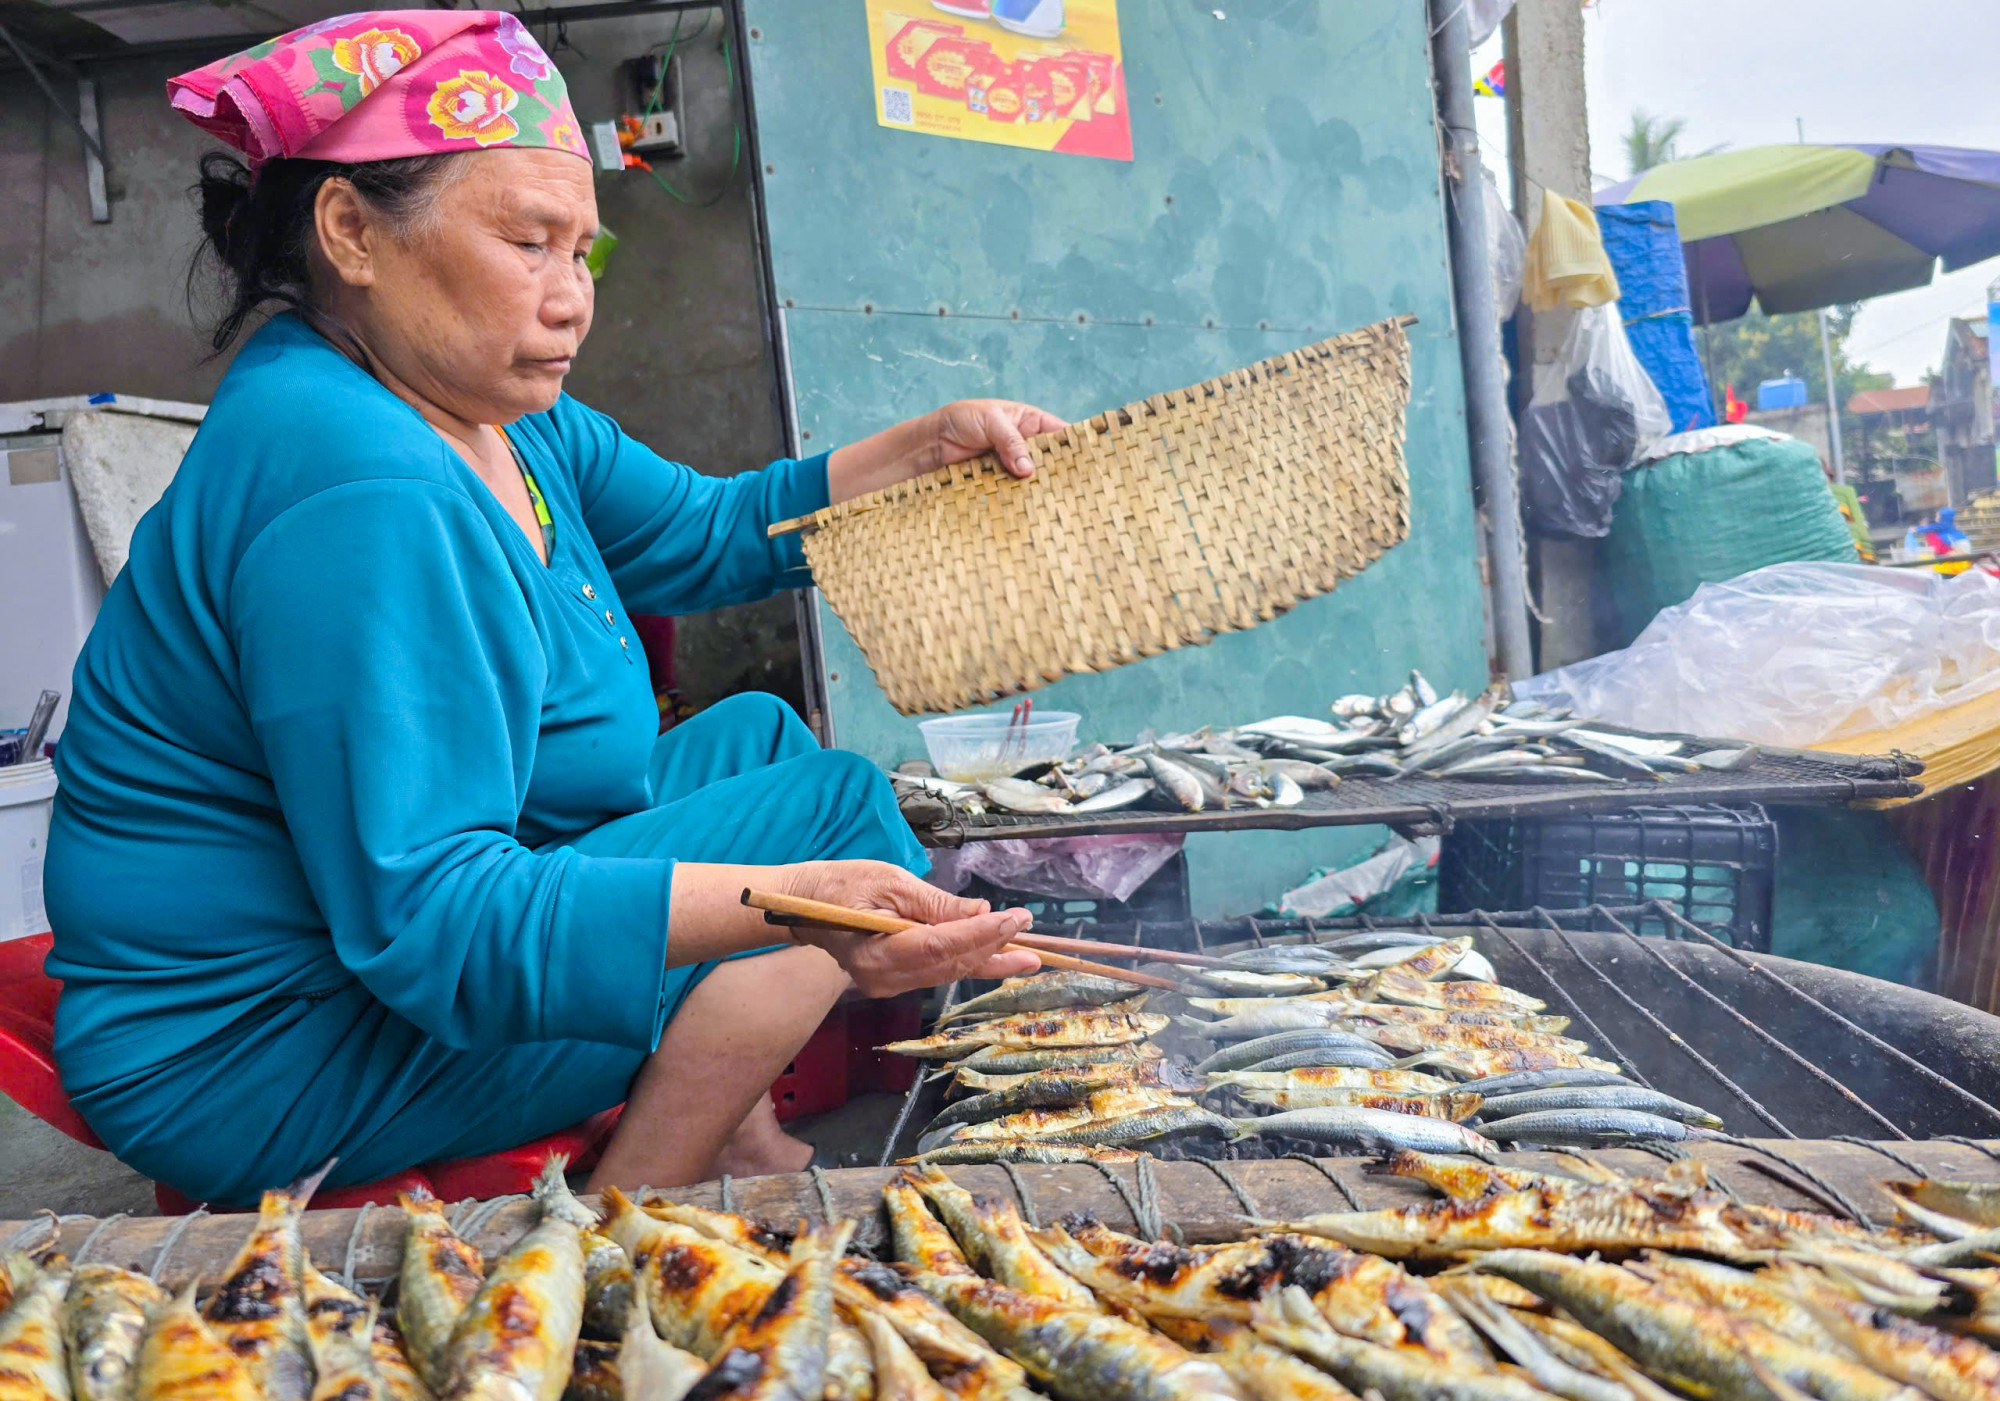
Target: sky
1746,72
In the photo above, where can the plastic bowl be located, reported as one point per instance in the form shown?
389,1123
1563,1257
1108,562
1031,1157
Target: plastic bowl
971,748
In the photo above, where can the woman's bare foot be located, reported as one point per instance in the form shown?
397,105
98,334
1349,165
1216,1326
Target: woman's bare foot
760,1147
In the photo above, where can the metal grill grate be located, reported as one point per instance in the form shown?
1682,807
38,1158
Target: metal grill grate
1423,803
1777,1048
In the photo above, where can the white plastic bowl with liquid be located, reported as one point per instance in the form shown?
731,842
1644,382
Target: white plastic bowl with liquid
972,748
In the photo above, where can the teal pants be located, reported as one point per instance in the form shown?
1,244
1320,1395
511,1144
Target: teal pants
340,1075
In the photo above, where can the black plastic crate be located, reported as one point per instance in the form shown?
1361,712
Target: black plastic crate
1712,864
1164,897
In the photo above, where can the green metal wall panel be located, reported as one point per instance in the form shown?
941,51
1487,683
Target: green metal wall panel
1284,188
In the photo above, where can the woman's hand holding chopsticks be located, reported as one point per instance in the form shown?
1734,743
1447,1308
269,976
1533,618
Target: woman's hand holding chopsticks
954,937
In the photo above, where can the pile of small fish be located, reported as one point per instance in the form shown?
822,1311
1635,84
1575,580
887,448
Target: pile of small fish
1809,1307
1571,1284
1274,763
1351,1039
1379,1041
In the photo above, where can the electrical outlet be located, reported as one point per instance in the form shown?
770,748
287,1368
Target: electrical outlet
659,132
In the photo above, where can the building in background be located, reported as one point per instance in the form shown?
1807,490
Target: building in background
1961,410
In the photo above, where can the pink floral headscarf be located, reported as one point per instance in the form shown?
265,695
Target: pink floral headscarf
382,85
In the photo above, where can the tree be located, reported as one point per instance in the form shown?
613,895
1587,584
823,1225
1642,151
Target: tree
1756,347
1651,141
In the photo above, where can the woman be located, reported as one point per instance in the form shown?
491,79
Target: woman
364,846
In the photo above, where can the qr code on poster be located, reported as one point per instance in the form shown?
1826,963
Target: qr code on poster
896,107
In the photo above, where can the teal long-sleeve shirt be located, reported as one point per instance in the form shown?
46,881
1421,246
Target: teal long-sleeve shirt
336,701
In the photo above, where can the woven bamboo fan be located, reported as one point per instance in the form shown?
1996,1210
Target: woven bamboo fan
1209,509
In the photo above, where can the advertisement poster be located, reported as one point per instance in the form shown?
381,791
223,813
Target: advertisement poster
1045,74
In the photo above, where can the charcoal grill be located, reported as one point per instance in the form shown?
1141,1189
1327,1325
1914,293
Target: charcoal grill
1778,1048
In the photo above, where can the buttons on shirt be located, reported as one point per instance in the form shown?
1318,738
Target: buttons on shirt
609,618
623,643
589,592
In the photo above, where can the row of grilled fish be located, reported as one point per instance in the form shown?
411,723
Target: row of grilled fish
1353,1056
1808,1307
1276,762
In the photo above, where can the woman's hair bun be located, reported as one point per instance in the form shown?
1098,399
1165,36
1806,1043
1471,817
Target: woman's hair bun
258,225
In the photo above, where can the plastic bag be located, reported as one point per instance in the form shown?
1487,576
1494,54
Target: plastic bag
1484,17
1068,868
1506,245
1594,410
1796,654
1348,890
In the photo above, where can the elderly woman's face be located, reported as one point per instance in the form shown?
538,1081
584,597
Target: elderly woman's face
480,311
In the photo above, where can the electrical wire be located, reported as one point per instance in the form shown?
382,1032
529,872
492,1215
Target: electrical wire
653,104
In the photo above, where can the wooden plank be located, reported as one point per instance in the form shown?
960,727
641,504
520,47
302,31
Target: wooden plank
368,1242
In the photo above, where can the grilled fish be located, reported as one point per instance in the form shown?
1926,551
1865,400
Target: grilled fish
1679,1339
1945,1366
1456,1108
1000,1060
1522,1081
1037,1031
1243,1054
1039,992
899,1374
182,1359
439,1275
997,1243
970,1370
1267,1017
333,1308
1393,985
1426,963
344,1362
1737,1291
1351,1126
1265,1372
1550,1371
779,1353
1427,1016
1304,1003
1404,1082
1397,1374
609,1287
1145,1126
1454,1036
259,1310
1636,1097
920,1239
1461,1180
1591,1128
515,1339
1364,1296
1047,1090
1471,1063
1081,1356
103,1323
31,1331
1098,1105
593,1372
1948,1209
638,1367
1019,1150
696,1288
1244,982
1334,1057
1570,1216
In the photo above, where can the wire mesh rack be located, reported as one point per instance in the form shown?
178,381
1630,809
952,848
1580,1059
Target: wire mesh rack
1777,1048
1423,804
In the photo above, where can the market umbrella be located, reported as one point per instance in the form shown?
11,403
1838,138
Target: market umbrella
1802,227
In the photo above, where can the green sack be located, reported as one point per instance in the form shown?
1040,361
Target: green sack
1702,517
1847,894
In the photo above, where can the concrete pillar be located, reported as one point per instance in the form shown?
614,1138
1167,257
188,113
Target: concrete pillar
1548,147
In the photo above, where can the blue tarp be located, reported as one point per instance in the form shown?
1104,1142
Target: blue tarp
1645,251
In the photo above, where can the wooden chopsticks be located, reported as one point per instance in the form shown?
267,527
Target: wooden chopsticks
791,910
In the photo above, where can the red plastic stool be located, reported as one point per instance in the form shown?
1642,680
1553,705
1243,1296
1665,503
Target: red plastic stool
28,1077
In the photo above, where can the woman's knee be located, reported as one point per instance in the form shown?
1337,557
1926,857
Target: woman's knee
760,713
863,808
